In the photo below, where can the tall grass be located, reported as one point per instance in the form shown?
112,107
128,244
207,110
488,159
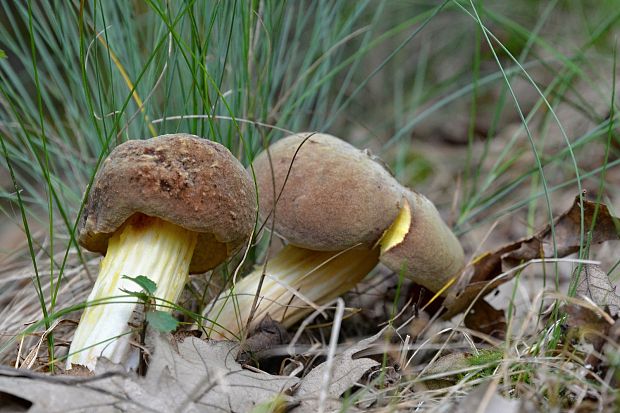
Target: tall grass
81,77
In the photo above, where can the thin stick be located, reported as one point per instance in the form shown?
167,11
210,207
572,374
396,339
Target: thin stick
333,343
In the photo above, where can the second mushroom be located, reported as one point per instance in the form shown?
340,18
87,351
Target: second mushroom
340,212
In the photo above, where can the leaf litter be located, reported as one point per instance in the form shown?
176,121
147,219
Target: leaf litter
492,269
595,285
347,370
188,376
191,375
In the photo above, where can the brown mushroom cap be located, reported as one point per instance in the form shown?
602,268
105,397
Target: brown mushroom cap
191,182
336,196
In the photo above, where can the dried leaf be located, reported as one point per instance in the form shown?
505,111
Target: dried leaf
268,334
447,366
584,319
194,377
595,285
482,272
587,324
54,394
346,371
329,406
485,318
9,403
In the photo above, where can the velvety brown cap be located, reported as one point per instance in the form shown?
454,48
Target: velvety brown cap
335,196
430,254
183,179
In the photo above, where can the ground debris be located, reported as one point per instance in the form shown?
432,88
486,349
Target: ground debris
483,274
485,399
199,376
347,370
268,334
590,316
595,285
446,370
483,317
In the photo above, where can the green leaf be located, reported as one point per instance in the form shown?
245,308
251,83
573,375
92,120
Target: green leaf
162,321
140,295
2,54
147,284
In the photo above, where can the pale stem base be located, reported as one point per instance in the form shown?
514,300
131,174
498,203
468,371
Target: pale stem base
297,281
145,246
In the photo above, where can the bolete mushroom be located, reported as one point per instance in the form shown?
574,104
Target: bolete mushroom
162,208
340,211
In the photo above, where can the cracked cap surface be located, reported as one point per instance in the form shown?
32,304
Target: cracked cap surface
194,183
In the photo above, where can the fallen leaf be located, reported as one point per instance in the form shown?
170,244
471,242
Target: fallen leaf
42,393
482,273
583,320
268,334
346,370
584,323
595,285
485,318
444,371
329,406
189,376
13,404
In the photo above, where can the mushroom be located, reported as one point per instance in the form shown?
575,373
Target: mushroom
340,211
161,208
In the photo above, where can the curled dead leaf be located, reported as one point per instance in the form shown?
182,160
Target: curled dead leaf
483,273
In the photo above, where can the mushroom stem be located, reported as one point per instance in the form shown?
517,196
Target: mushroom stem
296,281
145,246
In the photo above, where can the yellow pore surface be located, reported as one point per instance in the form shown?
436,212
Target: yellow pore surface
396,233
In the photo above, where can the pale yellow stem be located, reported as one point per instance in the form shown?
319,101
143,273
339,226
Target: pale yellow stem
145,246
297,281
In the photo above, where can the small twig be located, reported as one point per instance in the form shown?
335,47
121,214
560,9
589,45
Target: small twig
303,326
19,351
31,357
329,363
